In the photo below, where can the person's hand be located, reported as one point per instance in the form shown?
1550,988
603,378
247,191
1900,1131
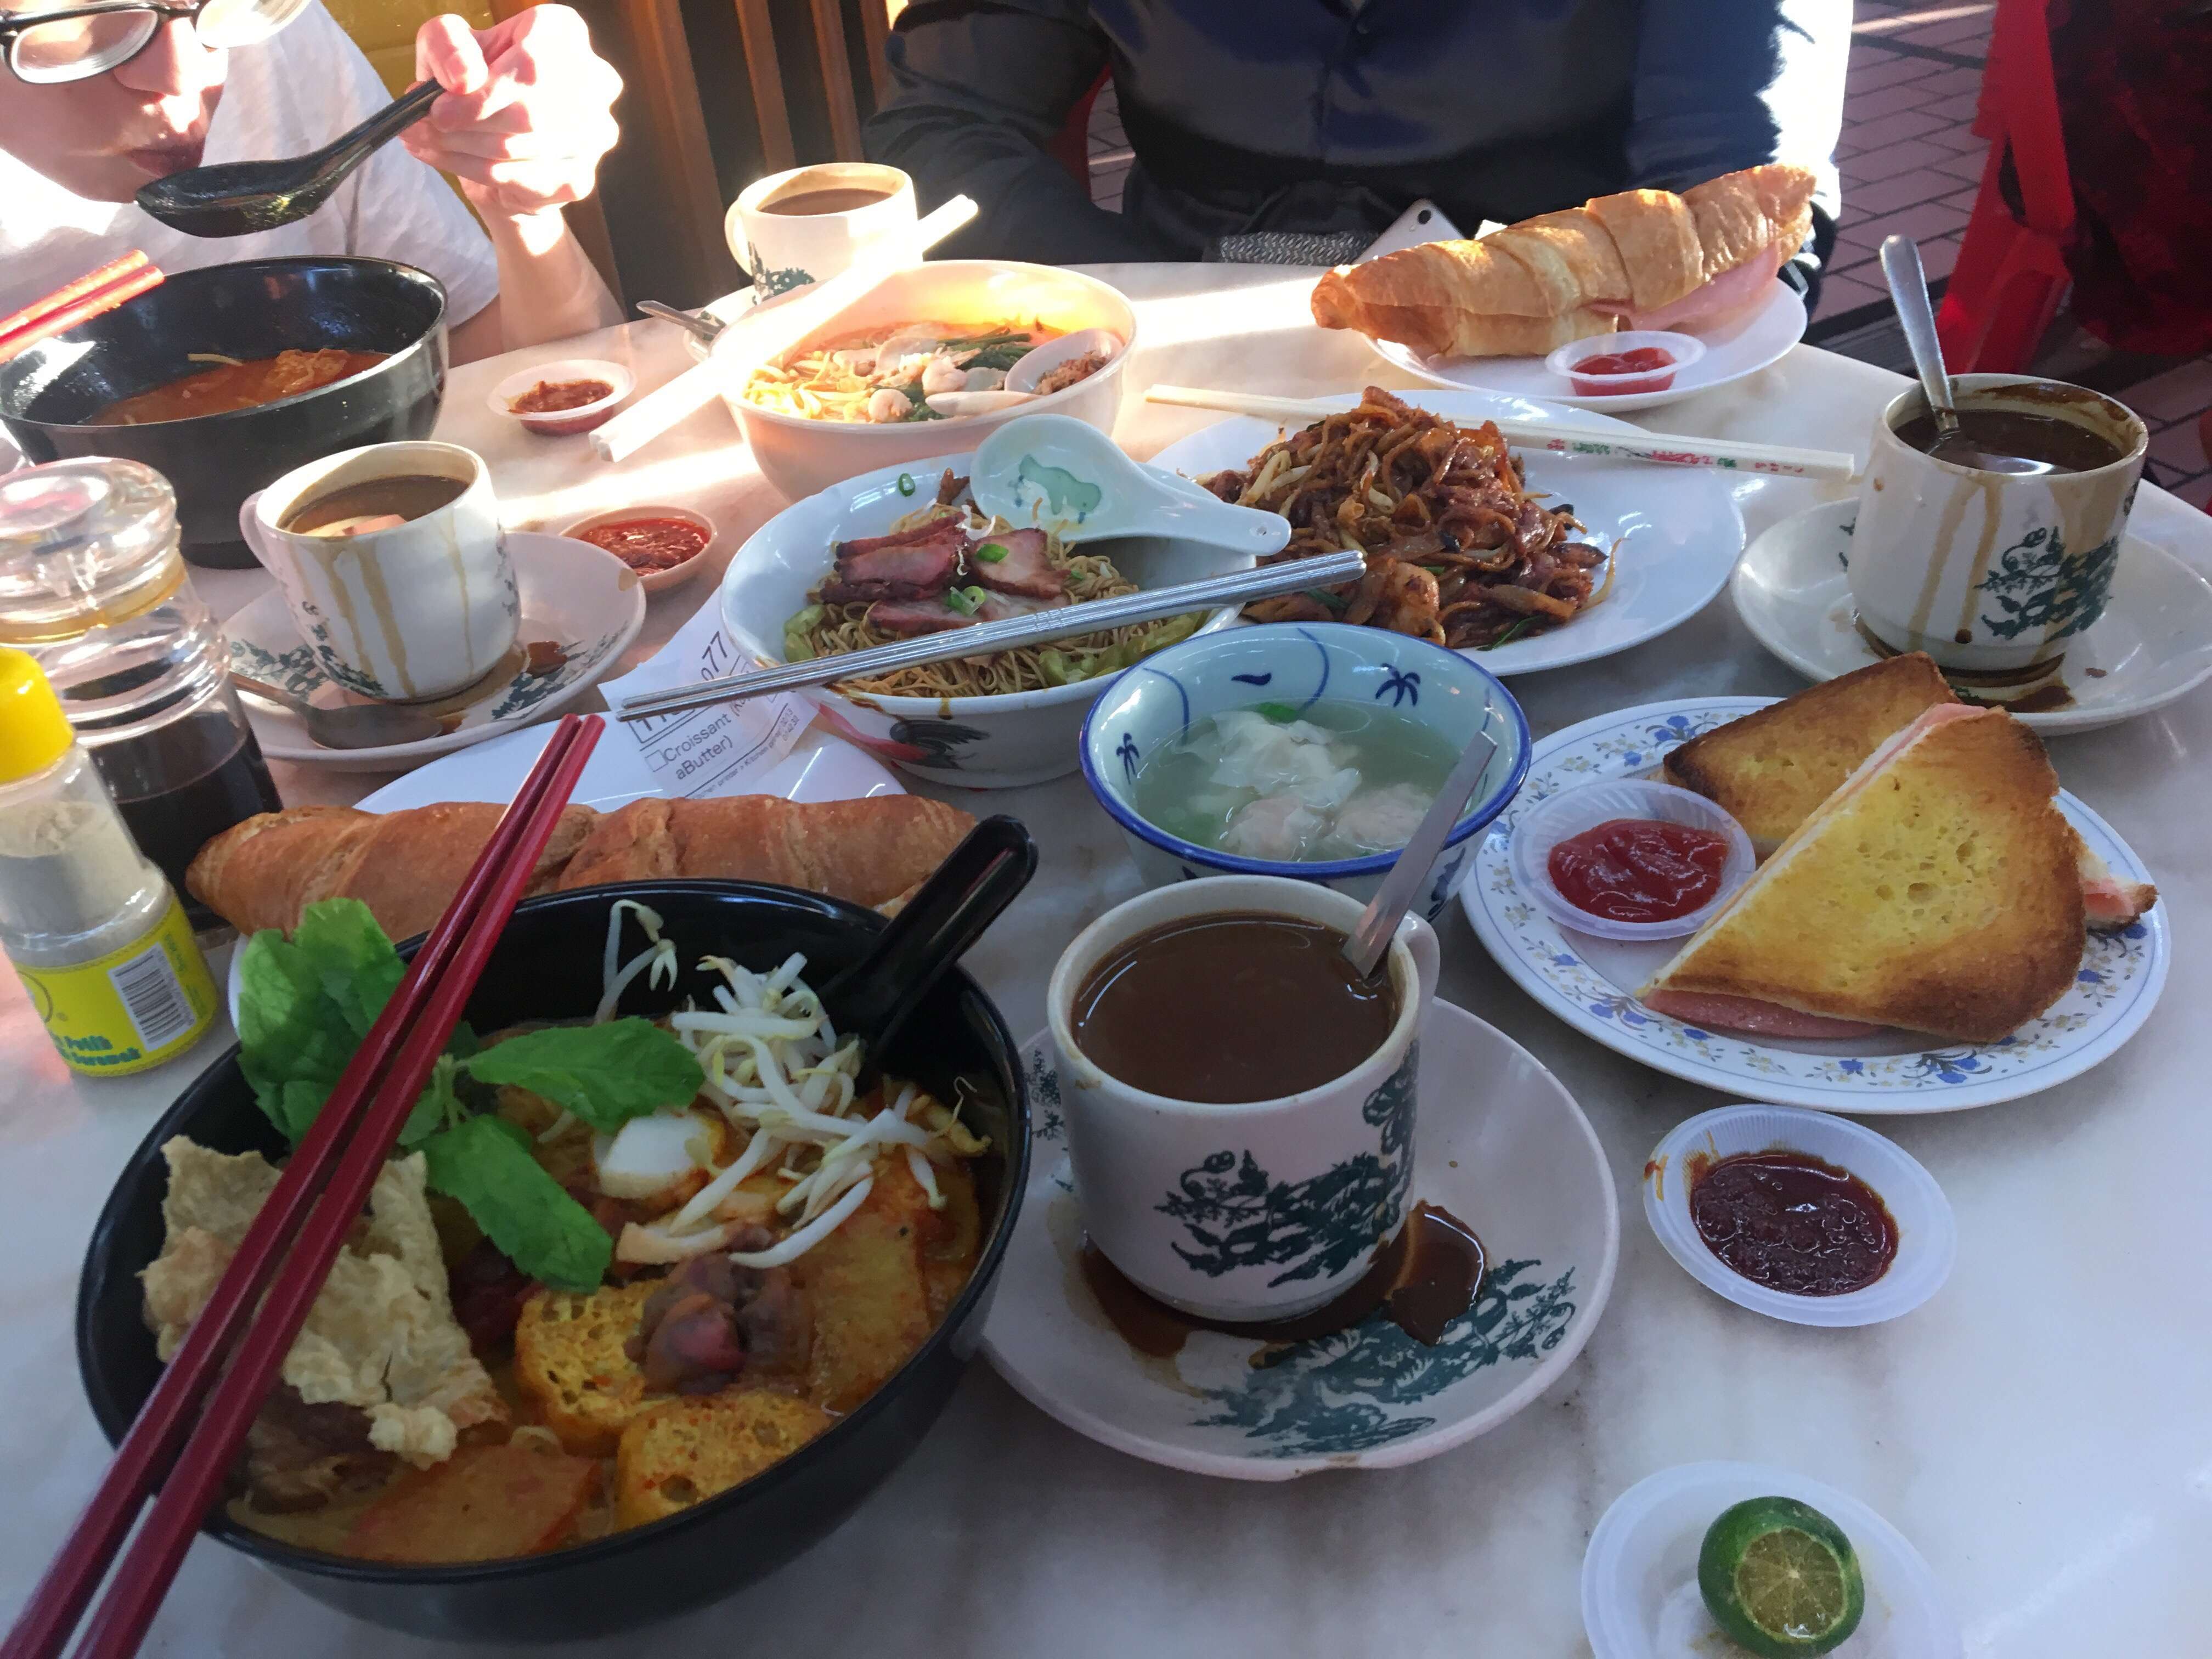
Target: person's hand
527,113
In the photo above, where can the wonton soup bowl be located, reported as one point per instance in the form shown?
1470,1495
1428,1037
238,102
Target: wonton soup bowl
1152,705
1000,741
548,966
257,308
800,456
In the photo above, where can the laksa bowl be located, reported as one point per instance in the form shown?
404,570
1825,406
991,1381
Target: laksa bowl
547,965
978,741
1308,750
801,454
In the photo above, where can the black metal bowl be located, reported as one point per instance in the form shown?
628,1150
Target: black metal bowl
547,966
254,309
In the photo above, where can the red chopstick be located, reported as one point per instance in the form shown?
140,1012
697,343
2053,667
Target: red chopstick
66,306
317,1199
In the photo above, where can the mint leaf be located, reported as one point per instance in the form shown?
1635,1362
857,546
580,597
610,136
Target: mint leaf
605,1074
305,1005
485,1164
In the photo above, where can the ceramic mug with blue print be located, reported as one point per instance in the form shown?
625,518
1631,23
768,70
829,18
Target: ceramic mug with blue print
1253,1211
784,242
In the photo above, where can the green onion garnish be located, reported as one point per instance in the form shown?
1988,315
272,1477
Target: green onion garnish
991,552
966,600
906,484
1512,633
1280,712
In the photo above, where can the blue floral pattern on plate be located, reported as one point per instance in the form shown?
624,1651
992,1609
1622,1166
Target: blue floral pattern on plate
2120,976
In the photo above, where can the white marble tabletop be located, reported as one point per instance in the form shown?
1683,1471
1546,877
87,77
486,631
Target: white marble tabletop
2042,1430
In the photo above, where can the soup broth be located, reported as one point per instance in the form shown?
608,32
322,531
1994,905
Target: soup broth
841,198
232,385
1223,1009
373,504
2064,446
1338,780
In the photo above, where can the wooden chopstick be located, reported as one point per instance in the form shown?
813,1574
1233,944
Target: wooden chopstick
75,302
1665,448
317,1199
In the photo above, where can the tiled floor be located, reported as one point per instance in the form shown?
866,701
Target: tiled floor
1912,164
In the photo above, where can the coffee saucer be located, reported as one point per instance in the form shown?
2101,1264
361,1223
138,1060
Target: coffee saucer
2153,644
1511,1155
584,604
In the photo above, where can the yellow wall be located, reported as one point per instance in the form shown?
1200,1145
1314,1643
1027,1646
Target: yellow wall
385,30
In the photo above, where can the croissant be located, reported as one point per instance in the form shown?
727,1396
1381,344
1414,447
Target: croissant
406,865
1643,259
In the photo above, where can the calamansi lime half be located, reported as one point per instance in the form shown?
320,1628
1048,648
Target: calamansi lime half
1780,1578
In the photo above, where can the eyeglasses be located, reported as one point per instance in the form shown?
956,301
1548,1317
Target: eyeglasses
48,43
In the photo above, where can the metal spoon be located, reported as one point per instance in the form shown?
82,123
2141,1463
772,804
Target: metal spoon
239,197
358,725
1908,288
700,326
1378,922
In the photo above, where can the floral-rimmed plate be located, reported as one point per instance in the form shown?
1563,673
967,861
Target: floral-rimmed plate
583,599
1588,983
1514,1158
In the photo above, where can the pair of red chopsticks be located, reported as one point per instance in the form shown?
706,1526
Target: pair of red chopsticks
199,1407
87,297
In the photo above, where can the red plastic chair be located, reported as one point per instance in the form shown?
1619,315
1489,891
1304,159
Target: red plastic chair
1071,145
2010,278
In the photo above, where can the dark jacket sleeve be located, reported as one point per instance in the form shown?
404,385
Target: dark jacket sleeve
1724,84
983,86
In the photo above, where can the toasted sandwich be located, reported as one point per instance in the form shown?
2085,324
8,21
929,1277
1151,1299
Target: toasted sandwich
1772,769
1936,890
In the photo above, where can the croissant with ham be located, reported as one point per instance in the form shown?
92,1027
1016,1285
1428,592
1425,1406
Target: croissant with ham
1643,259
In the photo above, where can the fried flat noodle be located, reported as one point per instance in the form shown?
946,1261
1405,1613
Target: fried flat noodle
1459,553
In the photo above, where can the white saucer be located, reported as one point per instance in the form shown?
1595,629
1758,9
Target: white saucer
2153,644
587,600
1590,982
1640,1582
1513,1157
1675,529
1744,347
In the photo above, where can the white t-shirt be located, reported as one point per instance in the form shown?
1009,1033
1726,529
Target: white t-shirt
289,95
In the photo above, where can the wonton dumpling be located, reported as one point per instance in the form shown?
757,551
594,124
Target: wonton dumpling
1278,828
1382,820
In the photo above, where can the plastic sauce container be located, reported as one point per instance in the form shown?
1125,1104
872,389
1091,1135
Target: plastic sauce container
1539,828
1631,364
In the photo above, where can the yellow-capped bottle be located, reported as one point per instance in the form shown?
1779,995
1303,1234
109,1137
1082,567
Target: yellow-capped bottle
93,927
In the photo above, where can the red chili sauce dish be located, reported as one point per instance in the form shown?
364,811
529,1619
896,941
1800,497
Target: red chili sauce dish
1792,1223
1639,869
1624,373
647,545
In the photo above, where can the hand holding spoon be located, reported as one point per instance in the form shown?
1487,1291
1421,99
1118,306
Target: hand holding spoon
236,198
1908,287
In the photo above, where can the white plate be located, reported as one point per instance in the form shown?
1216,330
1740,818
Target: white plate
2153,644
1640,1582
1927,1232
1517,1160
572,593
819,768
1744,347
1678,527
1588,983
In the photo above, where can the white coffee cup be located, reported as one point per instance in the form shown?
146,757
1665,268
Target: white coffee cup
1990,574
1146,1167
784,251
403,614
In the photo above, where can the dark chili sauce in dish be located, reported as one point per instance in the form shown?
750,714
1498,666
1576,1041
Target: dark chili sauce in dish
649,544
552,397
1617,374
1792,1221
1638,869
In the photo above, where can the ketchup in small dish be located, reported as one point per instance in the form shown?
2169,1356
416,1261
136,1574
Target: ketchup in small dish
1792,1221
1634,363
1638,869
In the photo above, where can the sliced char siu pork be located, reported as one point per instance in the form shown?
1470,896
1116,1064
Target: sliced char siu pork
1024,571
913,616
884,569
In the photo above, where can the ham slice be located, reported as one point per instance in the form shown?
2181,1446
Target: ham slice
1732,294
2108,902
1024,570
1709,1012
904,570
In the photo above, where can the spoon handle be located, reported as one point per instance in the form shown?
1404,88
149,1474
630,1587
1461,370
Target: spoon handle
698,327
978,880
349,150
1908,288
1378,922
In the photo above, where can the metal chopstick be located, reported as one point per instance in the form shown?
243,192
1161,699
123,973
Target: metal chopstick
1092,617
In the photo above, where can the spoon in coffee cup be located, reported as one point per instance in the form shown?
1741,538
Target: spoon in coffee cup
1908,288
1378,923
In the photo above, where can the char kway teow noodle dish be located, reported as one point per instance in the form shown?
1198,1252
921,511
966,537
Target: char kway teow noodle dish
949,566
890,373
230,383
612,1268
1459,551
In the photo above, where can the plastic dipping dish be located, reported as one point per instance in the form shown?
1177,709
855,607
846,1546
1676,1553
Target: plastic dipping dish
1539,828
1568,360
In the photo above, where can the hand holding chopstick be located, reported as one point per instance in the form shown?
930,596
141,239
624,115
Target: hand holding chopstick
1562,437
199,1412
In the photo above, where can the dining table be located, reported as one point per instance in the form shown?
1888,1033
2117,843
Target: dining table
2041,1429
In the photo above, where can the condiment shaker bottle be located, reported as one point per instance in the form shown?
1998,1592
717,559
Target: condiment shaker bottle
93,929
92,584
